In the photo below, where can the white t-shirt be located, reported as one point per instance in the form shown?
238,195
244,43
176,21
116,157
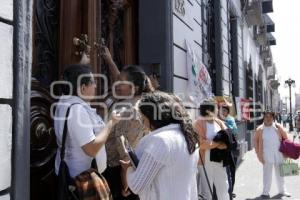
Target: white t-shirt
212,129
83,124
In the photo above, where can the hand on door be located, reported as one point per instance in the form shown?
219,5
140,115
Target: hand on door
114,71
105,53
83,47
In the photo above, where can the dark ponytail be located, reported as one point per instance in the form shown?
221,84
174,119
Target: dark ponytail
186,124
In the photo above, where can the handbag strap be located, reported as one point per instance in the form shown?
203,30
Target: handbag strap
65,130
207,179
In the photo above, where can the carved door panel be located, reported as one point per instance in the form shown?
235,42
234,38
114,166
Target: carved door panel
79,17
55,25
44,71
119,30
119,19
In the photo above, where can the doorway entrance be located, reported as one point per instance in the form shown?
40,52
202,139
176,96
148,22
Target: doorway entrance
64,31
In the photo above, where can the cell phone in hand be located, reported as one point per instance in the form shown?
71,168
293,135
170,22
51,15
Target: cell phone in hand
125,113
129,150
119,112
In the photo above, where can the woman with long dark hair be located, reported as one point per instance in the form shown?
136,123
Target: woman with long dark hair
168,154
128,86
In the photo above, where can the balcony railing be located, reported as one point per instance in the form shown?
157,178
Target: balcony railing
265,52
268,62
269,24
261,38
253,13
271,39
260,35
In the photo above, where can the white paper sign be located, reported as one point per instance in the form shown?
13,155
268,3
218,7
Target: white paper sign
199,82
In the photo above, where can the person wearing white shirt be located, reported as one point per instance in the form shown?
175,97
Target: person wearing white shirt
87,133
168,155
210,173
267,142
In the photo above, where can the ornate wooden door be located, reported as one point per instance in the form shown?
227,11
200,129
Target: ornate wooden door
62,29
58,29
119,21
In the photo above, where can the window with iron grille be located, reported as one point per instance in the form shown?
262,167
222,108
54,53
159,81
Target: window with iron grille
208,39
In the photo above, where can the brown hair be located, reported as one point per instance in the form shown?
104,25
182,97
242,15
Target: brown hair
163,109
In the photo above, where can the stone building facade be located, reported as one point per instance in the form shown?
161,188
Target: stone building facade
232,38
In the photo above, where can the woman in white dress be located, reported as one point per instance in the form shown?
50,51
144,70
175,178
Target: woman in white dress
267,142
168,155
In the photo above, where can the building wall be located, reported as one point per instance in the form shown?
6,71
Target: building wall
251,53
278,102
6,93
241,69
185,27
297,102
226,78
233,84
189,27
236,10
230,76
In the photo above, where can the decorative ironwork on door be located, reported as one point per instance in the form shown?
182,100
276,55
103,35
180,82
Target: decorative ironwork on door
45,39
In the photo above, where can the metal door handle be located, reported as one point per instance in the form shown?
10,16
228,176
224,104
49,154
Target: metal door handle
82,44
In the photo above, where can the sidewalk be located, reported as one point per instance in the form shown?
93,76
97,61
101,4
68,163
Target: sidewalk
249,181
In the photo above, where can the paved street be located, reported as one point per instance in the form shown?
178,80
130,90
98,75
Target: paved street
249,180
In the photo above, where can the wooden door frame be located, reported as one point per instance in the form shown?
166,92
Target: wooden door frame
130,34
